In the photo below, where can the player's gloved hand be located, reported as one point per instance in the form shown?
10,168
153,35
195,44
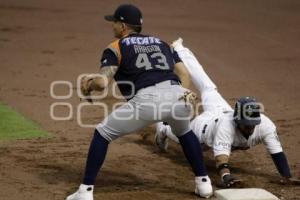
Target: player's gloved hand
85,87
189,97
229,181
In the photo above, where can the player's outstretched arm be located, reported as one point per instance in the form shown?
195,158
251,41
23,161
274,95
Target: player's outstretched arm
282,166
222,148
182,72
274,147
223,168
101,82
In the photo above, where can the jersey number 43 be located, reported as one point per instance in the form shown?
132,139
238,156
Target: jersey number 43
160,60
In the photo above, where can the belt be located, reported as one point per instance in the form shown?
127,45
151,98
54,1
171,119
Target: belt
173,82
164,83
170,82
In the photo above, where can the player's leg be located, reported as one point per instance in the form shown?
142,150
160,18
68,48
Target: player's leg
197,73
211,98
193,152
95,159
119,123
164,132
180,125
139,112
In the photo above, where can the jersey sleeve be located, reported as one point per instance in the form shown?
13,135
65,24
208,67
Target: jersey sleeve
111,55
109,58
271,140
176,57
223,139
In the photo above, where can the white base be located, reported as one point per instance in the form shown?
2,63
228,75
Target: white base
244,194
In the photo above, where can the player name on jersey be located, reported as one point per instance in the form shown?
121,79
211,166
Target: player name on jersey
141,40
146,49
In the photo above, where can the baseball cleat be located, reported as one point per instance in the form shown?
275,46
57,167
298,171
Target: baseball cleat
85,192
177,43
161,139
203,186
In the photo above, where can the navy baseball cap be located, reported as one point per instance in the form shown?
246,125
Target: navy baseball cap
128,14
247,111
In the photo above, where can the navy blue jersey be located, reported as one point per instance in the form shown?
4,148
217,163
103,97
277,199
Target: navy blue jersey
142,60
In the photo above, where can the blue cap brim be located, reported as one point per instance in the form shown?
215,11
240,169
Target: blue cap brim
247,122
109,18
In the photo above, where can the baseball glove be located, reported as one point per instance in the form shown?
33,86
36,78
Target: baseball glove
85,87
228,181
189,97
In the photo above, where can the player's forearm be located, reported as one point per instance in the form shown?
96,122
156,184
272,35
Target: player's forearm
281,164
223,169
222,164
185,81
183,74
106,74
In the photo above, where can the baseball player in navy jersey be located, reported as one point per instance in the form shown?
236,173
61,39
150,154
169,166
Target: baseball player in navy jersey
143,67
225,129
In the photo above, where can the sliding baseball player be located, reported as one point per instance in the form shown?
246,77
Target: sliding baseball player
225,129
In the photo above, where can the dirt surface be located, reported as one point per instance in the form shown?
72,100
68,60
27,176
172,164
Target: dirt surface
248,47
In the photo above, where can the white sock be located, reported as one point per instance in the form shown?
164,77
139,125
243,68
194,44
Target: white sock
88,188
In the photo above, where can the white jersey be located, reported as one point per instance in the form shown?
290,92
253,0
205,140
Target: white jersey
215,126
220,133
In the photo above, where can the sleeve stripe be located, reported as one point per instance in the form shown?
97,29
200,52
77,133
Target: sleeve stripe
115,47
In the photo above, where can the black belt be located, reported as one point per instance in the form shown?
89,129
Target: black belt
173,82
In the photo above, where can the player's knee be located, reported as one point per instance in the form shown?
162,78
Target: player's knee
181,132
106,133
98,136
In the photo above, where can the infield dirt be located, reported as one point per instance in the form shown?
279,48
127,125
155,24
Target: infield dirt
247,48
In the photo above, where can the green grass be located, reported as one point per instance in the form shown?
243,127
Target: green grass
14,126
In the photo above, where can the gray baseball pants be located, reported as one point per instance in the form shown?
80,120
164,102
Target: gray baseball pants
159,102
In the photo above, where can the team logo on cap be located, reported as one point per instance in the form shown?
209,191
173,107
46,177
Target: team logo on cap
249,113
141,20
252,110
